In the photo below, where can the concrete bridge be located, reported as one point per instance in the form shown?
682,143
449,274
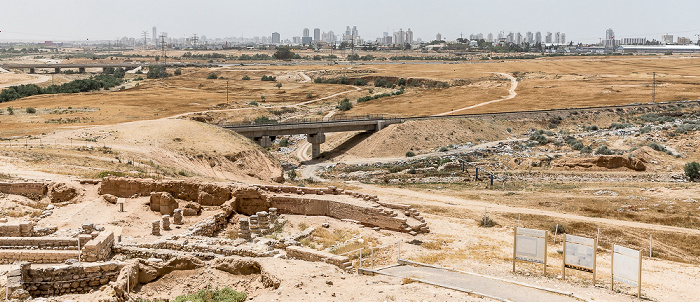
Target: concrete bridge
315,129
57,67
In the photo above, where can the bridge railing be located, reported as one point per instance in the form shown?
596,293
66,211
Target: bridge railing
333,119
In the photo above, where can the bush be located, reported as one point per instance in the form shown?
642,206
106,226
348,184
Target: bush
603,150
284,142
212,76
10,111
292,174
177,72
253,103
264,120
31,110
268,78
245,78
344,105
692,171
586,150
309,96
487,222
410,154
443,149
225,294
359,82
645,130
657,147
157,72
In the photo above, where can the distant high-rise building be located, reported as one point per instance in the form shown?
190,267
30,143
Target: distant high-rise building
609,34
548,38
510,38
501,37
275,38
684,41
489,37
667,39
438,37
557,37
306,33
409,36
518,39
155,36
317,34
529,37
634,41
538,37
562,38
296,40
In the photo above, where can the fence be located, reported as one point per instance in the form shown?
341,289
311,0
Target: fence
377,256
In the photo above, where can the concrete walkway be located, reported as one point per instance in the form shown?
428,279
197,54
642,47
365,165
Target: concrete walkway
489,287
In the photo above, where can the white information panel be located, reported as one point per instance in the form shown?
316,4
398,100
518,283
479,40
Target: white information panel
580,252
626,265
530,245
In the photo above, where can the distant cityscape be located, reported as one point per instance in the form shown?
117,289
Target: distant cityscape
401,39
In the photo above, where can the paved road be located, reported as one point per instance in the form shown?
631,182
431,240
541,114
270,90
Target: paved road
492,288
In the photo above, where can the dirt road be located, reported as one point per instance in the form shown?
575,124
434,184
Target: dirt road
511,94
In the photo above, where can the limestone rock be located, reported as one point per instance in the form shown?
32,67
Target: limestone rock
61,192
110,198
163,202
191,209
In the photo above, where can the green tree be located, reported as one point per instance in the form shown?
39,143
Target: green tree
344,105
283,53
31,110
278,85
692,171
212,76
178,72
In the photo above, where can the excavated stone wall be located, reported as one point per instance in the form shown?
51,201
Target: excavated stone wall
307,254
16,229
33,190
64,279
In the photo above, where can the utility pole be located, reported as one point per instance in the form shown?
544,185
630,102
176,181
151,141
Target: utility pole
227,92
653,89
145,39
163,53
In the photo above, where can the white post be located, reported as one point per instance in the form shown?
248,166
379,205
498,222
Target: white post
650,245
555,234
79,252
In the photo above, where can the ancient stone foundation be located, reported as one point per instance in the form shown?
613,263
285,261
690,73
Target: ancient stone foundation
64,279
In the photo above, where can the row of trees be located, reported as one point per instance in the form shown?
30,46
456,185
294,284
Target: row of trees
102,81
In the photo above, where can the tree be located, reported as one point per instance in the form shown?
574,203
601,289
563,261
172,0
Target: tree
344,105
283,53
157,72
177,72
692,171
278,85
212,76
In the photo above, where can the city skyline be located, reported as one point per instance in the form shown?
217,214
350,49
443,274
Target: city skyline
69,20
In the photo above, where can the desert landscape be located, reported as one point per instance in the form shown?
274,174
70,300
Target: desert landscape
137,192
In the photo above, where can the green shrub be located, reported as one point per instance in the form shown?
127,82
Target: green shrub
264,120
284,142
657,147
344,105
31,110
486,222
586,150
268,78
410,154
645,130
212,76
692,171
254,103
225,294
309,96
603,150
177,72
245,78
292,174
443,149
359,82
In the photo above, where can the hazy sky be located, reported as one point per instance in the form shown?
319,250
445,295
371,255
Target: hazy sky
582,21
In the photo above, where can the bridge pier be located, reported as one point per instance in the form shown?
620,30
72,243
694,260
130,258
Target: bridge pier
57,70
316,140
263,141
32,70
81,69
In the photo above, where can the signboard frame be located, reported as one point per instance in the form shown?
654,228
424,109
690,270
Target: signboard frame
582,242
630,254
525,233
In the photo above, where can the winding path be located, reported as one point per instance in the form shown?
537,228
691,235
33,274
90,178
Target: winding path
511,94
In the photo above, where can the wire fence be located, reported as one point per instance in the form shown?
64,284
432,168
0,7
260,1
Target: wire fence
377,256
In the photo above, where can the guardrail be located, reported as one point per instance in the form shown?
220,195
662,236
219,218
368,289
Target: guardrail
334,119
